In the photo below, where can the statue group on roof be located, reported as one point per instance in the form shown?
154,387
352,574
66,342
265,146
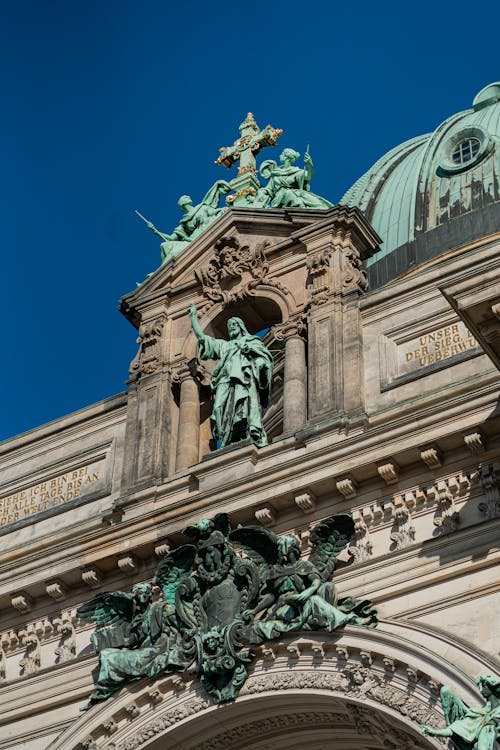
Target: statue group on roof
288,186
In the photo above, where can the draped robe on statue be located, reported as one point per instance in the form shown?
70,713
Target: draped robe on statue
241,382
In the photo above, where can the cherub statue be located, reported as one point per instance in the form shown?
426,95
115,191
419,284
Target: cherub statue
297,594
471,728
137,637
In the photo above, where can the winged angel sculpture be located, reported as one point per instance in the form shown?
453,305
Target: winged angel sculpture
216,605
471,728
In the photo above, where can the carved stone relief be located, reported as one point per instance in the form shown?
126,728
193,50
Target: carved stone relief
147,360
234,272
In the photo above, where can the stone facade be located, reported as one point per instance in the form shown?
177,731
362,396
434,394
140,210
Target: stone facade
384,405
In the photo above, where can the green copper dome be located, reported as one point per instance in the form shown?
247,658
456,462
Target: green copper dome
436,191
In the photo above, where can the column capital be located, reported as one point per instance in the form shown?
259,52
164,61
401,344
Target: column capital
295,328
190,369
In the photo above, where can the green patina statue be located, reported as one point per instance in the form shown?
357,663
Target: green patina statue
217,606
288,185
241,381
471,728
194,221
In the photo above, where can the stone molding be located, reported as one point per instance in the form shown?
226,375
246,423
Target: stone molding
383,672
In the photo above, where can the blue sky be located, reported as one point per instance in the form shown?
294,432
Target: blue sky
115,105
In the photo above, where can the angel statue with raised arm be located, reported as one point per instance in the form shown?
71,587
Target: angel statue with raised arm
297,594
136,637
471,728
288,186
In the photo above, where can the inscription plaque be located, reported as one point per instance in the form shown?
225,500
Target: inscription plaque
54,491
434,346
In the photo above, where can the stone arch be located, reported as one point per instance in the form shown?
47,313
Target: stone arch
365,688
278,305
263,306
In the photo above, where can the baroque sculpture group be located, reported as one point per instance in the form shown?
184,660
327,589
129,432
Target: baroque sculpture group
288,186
217,606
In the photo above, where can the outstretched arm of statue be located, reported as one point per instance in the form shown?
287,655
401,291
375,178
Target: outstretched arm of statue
195,325
446,732
157,232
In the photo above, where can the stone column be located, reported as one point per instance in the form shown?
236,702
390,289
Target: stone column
295,375
188,434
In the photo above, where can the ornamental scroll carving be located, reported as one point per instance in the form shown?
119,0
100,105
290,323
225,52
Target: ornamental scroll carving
335,269
354,278
147,359
235,272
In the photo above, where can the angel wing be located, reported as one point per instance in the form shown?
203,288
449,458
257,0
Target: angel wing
329,538
261,545
172,568
107,608
453,706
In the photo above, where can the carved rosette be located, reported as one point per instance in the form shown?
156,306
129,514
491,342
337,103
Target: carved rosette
148,359
234,272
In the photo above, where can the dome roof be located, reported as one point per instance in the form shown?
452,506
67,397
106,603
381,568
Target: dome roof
435,191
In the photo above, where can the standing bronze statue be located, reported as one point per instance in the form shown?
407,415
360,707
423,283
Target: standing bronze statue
241,381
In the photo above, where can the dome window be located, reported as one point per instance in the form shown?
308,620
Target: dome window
466,150
463,150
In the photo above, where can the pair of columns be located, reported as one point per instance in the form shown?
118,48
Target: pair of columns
294,395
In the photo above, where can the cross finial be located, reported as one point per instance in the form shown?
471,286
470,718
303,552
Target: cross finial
250,142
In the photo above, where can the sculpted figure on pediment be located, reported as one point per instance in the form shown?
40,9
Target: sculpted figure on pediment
194,220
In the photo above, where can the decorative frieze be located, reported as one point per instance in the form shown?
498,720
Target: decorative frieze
362,548
489,478
66,650
403,531
30,663
446,518
234,272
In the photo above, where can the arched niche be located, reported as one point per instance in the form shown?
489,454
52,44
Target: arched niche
267,312
357,689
